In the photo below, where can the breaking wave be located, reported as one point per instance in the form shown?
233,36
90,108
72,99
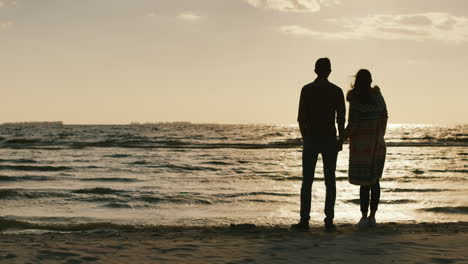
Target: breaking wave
6,223
447,210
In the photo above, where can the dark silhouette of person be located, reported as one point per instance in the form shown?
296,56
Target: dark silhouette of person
367,123
321,102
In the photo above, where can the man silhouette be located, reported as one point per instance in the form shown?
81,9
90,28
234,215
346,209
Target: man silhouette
321,101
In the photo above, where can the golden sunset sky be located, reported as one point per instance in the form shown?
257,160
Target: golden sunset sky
226,61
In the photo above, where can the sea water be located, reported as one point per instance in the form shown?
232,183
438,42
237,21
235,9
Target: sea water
214,174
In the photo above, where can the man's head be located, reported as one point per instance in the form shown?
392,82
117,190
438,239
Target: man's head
323,67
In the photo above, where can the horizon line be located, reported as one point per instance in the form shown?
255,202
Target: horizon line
59,123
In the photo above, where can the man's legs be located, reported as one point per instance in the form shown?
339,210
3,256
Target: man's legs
309,161
329,167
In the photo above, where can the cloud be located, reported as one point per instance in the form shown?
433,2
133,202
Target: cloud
189,16
416,27
4,25
5,3
292,5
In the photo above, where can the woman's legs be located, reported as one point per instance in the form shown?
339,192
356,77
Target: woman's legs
375,198
372,192
364,200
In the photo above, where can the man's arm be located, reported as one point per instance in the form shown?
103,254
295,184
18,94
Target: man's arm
341,114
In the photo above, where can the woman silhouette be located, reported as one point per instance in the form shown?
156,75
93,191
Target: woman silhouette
366,127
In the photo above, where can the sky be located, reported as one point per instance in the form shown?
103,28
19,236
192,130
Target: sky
226,61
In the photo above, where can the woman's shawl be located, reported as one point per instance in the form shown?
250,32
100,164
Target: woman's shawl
366,130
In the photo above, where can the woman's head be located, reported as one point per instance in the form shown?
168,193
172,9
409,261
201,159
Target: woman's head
361,88
363,79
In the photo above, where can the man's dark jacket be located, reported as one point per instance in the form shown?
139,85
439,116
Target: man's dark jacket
320,103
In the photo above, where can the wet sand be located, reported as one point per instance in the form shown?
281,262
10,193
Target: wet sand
388,243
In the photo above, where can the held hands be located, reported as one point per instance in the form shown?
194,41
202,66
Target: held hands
340,144
344,137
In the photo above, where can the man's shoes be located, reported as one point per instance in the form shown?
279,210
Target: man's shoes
302,225
372,222
363,223
329,226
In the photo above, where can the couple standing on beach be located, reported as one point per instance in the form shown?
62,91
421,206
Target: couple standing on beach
320,103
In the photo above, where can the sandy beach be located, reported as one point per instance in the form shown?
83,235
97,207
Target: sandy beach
388,243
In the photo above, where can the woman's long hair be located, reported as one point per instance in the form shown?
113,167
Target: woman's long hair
361,89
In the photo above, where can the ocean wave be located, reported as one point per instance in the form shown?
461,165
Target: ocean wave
445,138
235,228
109,143
417,138
299,178
117,205
140,162
178,199
417,190
181,145
120,199
233,195
277,134
98,190
265,201
447,210
7,193
33,168
453,139
135,143
6,223
456,171
28,194
18,161
398,201
217,163
22,141
281,178
174,167
185,167
203,136
110,179
118,156
24,178
427,144
416,177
